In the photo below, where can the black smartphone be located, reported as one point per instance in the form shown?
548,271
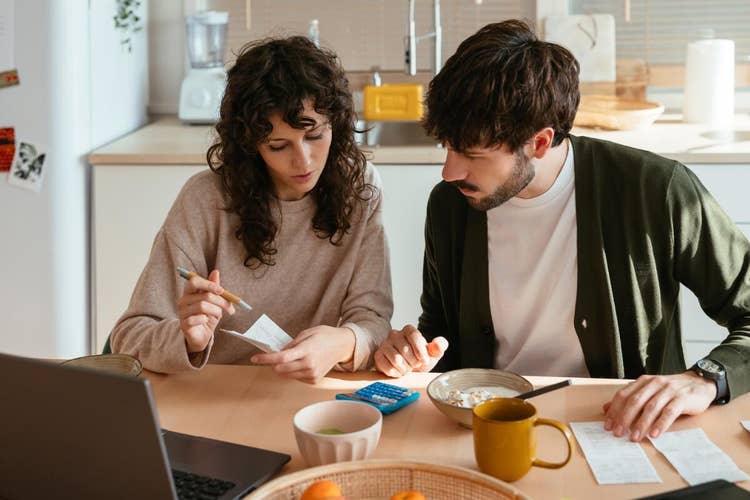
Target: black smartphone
720,489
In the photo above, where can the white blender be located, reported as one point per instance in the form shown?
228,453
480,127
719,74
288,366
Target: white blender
203,87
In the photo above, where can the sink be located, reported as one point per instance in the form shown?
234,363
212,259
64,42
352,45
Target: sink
392,133
727,136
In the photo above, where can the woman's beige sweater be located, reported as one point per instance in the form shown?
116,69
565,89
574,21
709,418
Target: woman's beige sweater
312,282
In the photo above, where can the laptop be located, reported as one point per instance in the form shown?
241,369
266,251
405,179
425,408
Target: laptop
75,432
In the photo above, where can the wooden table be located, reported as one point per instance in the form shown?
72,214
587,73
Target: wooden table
253,406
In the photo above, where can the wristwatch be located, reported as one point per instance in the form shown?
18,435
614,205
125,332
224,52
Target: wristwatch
713,370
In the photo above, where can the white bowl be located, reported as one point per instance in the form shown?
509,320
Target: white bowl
359,423
497,383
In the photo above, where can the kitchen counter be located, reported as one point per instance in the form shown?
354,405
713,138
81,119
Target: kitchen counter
168,142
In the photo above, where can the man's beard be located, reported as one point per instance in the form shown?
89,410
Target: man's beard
520,177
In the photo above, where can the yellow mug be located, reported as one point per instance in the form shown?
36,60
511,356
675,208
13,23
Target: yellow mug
505,440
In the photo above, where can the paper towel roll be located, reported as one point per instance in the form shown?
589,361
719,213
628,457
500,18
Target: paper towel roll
709,83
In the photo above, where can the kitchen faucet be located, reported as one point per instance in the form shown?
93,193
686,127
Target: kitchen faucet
412,39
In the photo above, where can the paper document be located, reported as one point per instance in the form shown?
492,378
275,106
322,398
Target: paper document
746,424
265,335
613,460
696,458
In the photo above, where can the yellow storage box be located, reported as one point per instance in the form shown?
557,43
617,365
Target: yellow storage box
401,101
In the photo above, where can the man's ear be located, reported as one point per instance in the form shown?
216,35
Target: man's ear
541,142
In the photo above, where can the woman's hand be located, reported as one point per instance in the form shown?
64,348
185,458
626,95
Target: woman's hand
312,354
200,308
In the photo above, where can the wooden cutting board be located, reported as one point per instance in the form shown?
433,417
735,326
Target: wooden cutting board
591,39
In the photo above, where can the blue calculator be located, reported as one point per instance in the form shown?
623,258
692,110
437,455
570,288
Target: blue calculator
385,397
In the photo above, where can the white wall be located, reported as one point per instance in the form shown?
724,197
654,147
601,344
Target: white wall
120,79
167,55
67,109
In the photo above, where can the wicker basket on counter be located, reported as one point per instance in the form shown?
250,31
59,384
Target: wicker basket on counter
379,478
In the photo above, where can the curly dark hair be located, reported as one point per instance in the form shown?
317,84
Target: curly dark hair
277,75
501,87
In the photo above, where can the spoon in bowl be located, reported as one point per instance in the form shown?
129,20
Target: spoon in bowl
545,389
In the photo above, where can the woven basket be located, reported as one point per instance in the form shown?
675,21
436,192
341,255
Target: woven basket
114,363
379,479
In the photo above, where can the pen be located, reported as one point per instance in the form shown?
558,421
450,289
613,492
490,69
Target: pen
227,295
542,390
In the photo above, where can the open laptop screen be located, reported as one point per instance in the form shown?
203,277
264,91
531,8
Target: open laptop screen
82,433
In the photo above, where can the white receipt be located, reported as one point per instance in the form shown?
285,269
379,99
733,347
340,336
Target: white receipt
265,335
696,458
746,424
613,460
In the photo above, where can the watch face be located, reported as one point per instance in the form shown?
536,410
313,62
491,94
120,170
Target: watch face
709,366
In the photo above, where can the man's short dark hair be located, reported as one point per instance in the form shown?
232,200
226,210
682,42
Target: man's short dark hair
502,86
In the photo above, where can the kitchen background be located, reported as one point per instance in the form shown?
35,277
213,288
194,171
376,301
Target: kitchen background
81,88
649,36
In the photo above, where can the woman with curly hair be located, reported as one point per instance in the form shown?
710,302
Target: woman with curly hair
290,212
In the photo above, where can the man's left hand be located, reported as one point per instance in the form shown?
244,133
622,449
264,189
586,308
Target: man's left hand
651,403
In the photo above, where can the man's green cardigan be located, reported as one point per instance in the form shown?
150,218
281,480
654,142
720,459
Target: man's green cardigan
645,225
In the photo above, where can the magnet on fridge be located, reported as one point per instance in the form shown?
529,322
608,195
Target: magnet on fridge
8,78
7,147
28,168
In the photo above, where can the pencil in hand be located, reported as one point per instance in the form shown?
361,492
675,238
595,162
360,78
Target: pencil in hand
227,294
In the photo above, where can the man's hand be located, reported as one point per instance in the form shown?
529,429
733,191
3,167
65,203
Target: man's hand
200,308
312,354
407,350
650,404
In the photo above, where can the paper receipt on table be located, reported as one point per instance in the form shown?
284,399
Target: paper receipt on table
696,457
613,460
265,335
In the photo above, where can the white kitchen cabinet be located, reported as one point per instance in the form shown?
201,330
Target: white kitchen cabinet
130,202
406,189
726,182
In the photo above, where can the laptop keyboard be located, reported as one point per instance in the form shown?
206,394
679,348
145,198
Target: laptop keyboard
194,487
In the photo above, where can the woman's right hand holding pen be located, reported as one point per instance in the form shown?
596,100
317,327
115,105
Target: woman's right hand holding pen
200,308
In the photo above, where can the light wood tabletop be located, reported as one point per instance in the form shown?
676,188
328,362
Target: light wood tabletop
253,406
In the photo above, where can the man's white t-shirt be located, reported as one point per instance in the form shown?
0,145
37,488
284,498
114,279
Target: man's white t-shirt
532,252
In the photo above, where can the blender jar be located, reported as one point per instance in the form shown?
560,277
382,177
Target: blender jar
206,38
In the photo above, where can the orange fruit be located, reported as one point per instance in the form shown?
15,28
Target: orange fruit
321,490
408,495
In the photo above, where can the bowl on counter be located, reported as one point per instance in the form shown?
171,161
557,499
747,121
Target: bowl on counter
455,393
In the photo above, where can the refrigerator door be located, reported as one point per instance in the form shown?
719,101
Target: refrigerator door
66,105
